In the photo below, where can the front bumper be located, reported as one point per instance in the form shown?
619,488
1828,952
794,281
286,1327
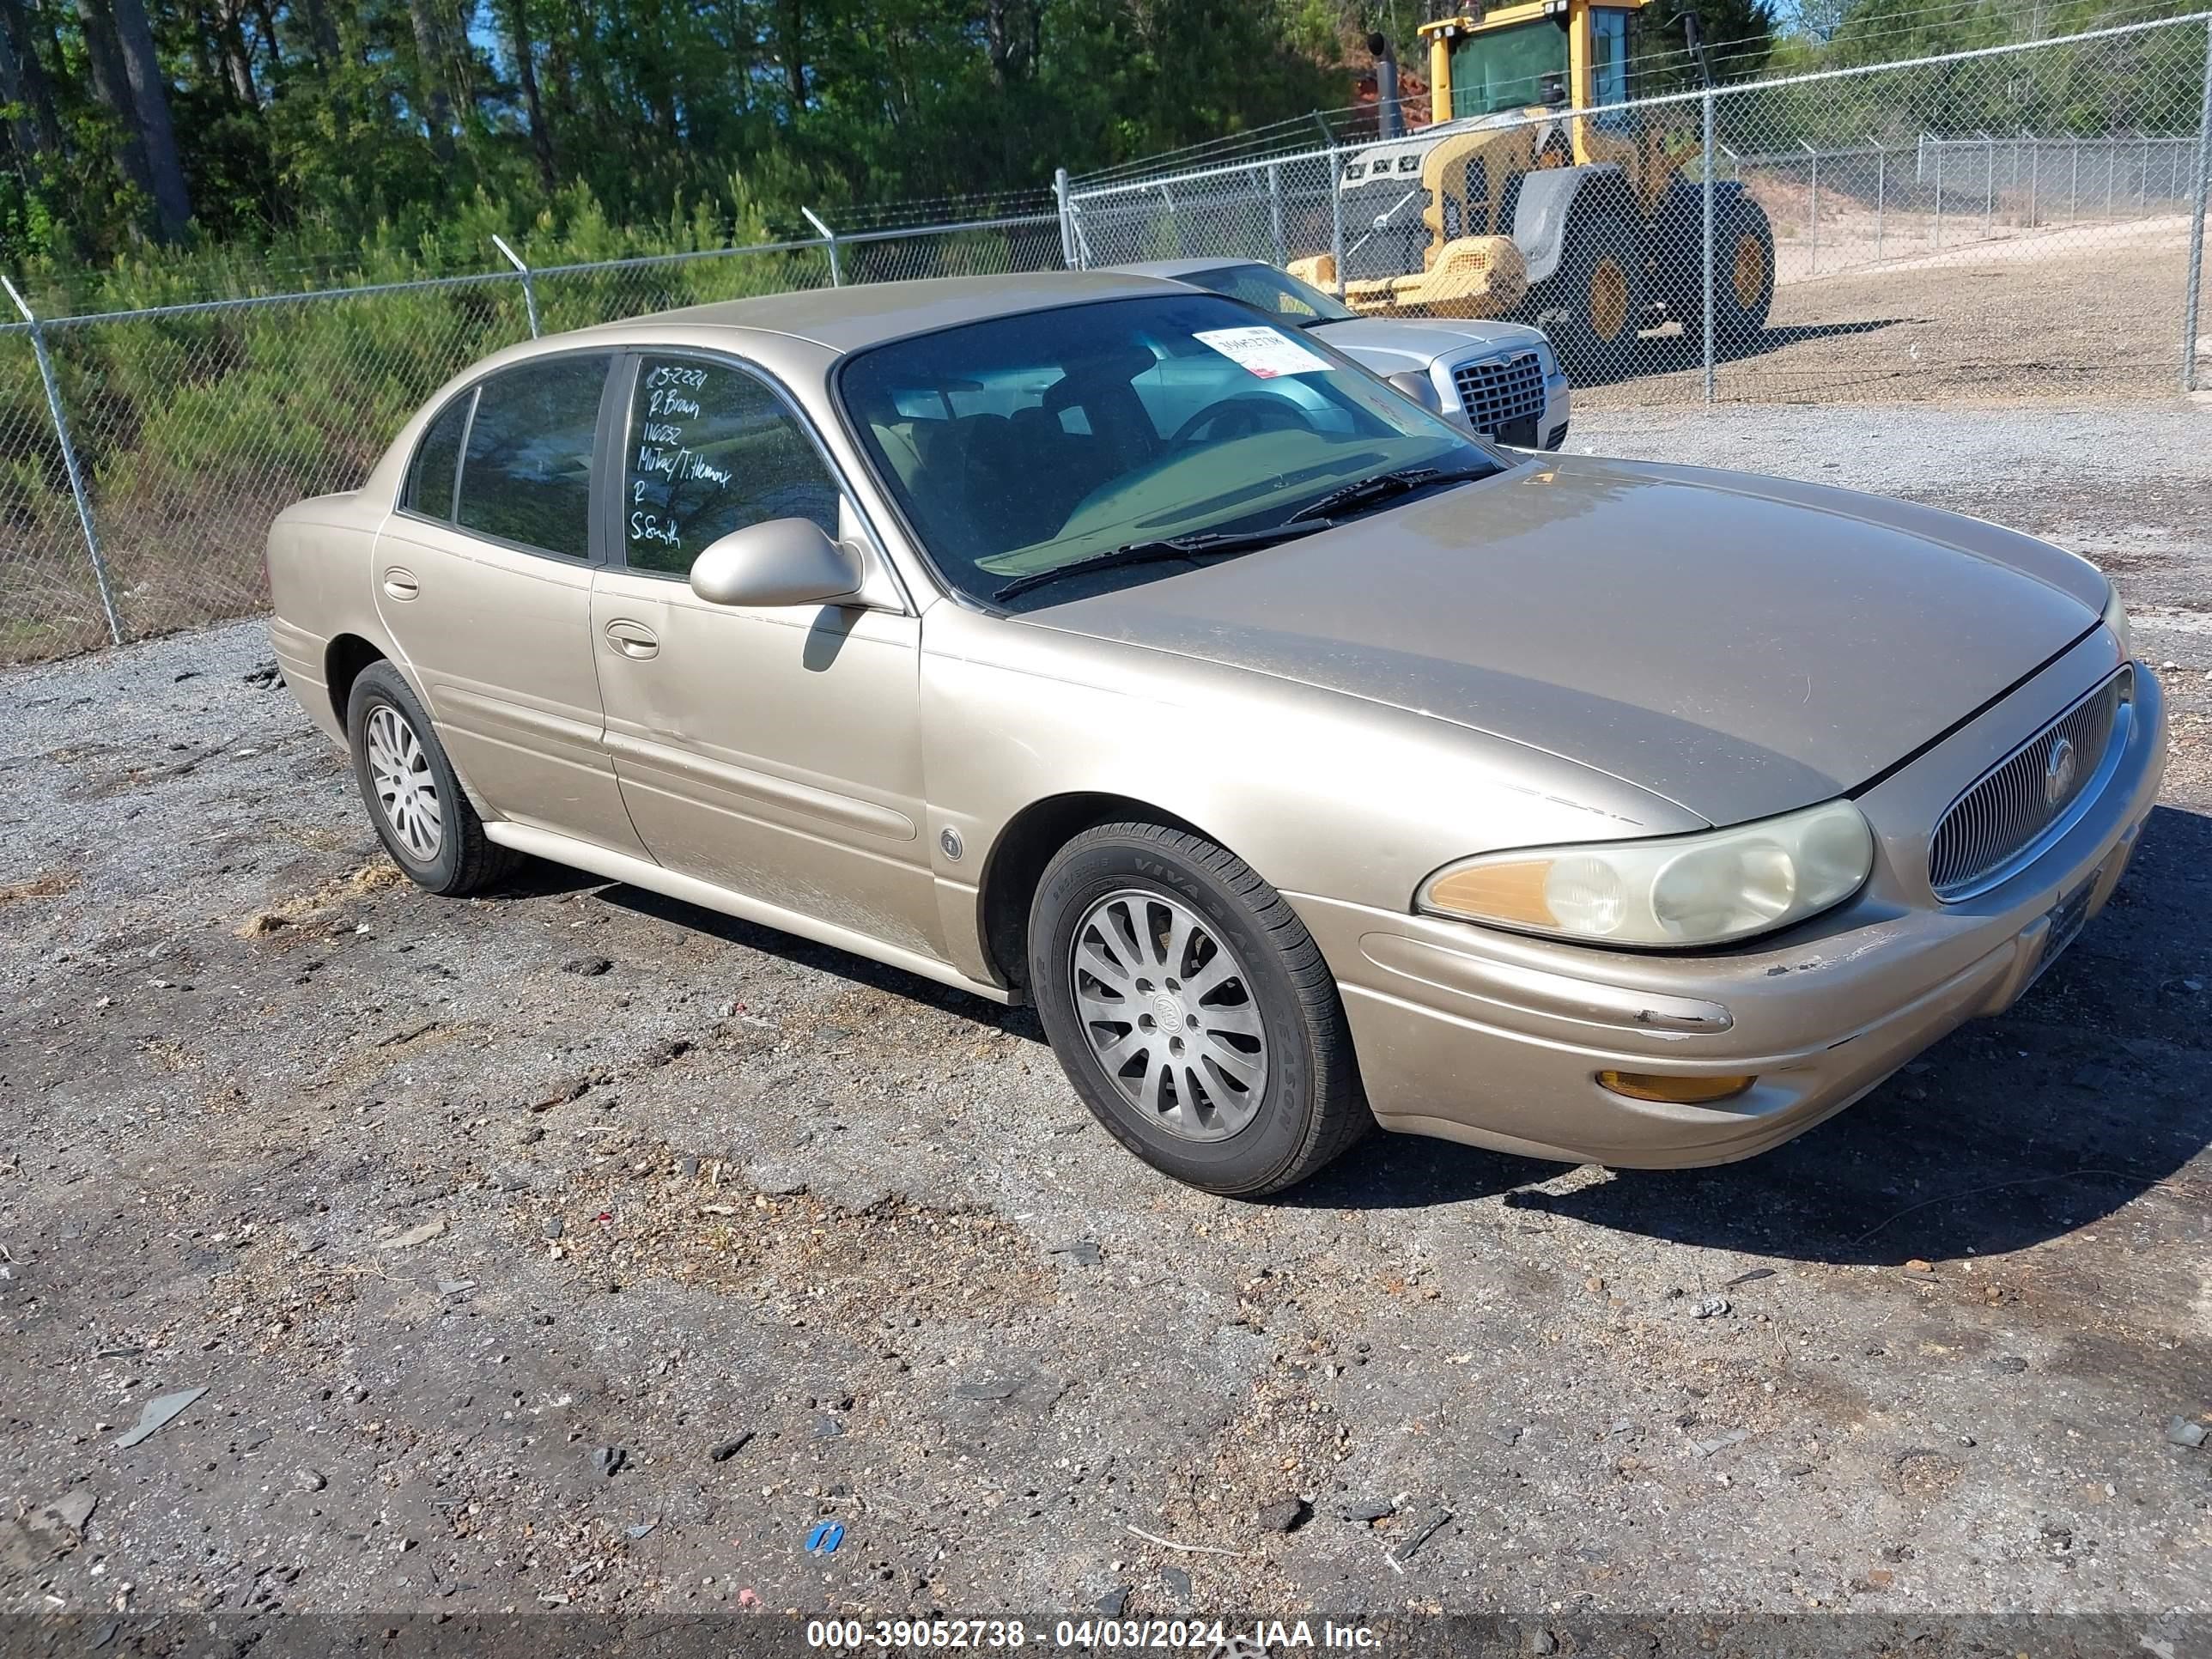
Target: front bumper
1496,1040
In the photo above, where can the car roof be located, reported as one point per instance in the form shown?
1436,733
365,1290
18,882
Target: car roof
867,314
1173,267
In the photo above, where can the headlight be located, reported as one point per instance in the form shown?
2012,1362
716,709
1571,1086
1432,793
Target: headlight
1686,890
1415,383
2116,618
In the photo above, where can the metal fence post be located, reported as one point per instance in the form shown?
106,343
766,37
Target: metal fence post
1988,186
2112,174
529,292
1708,261
1075,226
1881,195
70,463
1336,219
2203,187
2073,186
1275,211
1939,192
1066,219
829,241
2034,175
1815,215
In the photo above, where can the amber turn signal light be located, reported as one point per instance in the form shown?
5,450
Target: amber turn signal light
1674,1091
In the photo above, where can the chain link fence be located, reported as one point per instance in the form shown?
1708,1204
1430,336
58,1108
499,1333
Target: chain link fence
2015,223
137,498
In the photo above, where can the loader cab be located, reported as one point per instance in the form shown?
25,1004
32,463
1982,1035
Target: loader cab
1538,55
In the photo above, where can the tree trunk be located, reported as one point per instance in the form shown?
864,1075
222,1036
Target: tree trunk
525,69
435,107
1010,34
790,23
112,86
31,75
322,36
22,137
149,95
267,15
237,57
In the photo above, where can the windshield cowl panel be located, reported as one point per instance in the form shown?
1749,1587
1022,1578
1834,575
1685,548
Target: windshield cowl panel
1027,443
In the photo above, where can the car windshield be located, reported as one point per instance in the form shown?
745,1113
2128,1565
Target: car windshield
1277,292
1026,443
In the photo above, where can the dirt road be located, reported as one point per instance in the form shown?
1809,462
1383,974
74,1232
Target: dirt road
571,1248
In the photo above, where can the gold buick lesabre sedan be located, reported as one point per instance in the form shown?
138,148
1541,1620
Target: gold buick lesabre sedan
1092,640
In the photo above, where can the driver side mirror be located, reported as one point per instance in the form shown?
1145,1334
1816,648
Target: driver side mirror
782,562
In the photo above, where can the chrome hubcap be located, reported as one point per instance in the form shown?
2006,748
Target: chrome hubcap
1169,1014
406,789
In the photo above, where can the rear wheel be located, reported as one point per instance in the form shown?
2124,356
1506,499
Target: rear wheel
1191,1010
1743,278
414,797
1594,307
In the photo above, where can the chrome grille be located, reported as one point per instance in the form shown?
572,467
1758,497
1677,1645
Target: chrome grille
2017,803
1498,391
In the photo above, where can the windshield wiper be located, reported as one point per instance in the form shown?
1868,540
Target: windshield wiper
1198,545
1382,487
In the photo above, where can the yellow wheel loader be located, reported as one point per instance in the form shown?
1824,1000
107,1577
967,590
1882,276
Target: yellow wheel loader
1535,196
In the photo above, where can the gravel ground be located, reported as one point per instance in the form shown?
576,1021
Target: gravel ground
2066,314
574,1248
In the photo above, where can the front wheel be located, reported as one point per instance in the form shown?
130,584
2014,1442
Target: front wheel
1191,1010
1598,300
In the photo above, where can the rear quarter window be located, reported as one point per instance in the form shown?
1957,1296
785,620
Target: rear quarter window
437,462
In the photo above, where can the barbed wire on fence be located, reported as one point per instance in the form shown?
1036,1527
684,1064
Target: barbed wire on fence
2023,221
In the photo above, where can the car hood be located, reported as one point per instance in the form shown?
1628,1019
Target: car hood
1421,344
1739,645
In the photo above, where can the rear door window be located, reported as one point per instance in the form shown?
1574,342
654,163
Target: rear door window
527,475
712,449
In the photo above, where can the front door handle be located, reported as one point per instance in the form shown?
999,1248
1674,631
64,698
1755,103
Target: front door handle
633,639
400,582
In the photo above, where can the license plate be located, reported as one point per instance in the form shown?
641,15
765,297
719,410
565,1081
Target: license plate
2067,919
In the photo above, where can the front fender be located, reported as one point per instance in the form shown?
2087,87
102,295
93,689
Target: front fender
1546,203
1320,791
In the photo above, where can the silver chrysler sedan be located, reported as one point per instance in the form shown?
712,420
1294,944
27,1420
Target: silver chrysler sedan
1500,380
1090,640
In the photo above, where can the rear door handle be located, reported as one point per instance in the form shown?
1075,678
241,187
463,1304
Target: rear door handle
400,582
633,639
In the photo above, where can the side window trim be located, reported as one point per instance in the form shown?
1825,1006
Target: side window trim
610,523
610,462
461,457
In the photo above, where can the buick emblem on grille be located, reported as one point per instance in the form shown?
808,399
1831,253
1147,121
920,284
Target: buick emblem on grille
2058,772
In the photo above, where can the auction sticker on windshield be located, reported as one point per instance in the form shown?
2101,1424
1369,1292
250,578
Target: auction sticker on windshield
1263,351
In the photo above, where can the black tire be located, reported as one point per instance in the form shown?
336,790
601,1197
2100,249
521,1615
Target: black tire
1743,278
463,859
1601,294
1309,1107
